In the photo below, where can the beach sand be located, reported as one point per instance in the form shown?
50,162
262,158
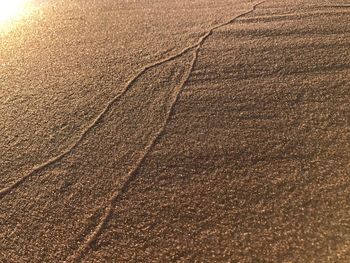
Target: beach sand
176,131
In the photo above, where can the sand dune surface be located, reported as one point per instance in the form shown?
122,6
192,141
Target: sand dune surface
176,131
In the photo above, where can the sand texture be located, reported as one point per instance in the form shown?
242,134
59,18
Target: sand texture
176,131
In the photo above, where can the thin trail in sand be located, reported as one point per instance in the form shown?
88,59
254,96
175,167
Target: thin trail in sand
96,121
131,176
4,191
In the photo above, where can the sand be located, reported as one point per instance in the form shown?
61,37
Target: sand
182,131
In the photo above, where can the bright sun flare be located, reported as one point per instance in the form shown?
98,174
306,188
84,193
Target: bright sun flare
10,9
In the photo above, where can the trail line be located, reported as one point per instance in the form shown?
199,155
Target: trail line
132,175
4,191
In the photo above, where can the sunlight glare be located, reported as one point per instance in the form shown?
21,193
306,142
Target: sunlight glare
10,9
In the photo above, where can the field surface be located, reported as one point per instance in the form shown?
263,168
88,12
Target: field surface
176,131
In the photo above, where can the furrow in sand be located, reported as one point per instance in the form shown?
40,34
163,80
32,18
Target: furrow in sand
6,190
131,176
96,121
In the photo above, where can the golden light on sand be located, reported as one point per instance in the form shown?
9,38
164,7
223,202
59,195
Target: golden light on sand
11,9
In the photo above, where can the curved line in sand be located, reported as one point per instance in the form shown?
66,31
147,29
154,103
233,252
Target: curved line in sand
131,176
4,191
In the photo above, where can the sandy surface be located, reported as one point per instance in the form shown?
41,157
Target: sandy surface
176,131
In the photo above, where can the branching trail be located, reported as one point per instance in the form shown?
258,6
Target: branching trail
96,121
6,190
131,176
